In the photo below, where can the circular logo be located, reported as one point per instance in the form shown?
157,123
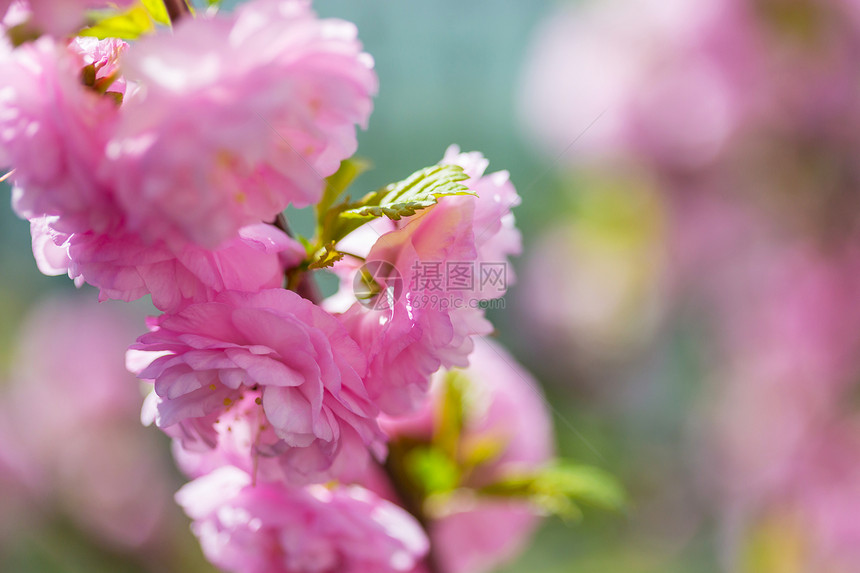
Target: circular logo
377,285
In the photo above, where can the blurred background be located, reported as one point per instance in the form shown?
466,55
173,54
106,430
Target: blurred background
688,295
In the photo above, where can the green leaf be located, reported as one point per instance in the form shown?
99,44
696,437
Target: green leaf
157,11
451,414
326,258
369,288
22,33
420,190
476,451
336,184
432,470
340,181
558,489
587,484
127,25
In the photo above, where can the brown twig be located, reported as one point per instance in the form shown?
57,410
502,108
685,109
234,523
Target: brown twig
176,9
411,502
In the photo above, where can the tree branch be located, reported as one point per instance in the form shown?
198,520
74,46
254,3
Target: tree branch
176,9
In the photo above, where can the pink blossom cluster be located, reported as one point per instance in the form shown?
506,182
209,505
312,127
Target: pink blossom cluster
409,339
244,132
162,167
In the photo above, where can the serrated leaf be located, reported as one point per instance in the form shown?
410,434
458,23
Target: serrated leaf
327,258
419,191
127,25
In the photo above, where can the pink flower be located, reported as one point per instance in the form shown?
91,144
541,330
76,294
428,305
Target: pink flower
103,56
429,320
237,117
505,405
123,267
53,132
271,357
494,227
271,528
406,346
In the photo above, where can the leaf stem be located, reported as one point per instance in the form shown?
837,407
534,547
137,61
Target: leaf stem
298,280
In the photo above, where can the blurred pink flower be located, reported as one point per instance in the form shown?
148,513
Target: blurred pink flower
759,97
123,267
811,513
53,132
21,481
71,410
58,18
271,357
746,114
270,528
782,441
630,77
237,117
825,487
